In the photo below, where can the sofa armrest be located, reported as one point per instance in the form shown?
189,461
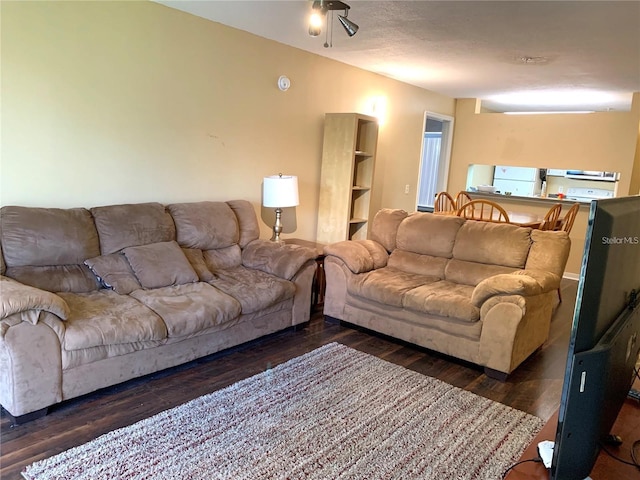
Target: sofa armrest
548,280
514,326
281,259
359,255
521,282
31,359
19,298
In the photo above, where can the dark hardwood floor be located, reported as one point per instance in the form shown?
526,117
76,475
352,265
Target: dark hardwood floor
534,387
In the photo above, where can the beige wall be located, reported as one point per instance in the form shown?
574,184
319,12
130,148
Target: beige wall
634,189
596,141
113,102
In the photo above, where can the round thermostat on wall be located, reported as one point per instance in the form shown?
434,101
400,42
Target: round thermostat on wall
284,83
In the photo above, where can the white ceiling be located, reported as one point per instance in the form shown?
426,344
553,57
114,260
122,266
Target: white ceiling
586,54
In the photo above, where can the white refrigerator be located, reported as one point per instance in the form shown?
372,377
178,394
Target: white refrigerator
520,181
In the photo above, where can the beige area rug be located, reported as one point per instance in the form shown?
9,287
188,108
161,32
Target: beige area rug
334,413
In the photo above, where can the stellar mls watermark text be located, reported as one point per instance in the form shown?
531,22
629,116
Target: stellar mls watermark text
620,240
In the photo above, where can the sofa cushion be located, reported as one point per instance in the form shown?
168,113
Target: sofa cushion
549,251
384,227
223,258
254,289
418,263
56,278
386,285
17,298
130,225
160,265
492,243
196,259
205,225
114,272
247,221
429,234
445,299
189,309
105,318
47,236
472,273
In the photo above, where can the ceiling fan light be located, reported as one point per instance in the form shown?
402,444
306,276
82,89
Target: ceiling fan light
315,24
350,27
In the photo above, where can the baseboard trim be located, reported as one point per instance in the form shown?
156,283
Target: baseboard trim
571,276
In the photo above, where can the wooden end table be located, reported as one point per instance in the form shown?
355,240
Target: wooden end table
319,281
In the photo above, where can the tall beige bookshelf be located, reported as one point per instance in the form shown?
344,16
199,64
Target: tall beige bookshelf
348,161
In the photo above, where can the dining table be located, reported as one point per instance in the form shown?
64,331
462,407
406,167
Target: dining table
522,219
525,219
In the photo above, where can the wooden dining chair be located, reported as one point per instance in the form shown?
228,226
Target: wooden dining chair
444,203
567,221
461,199
550,221
566,225
484,210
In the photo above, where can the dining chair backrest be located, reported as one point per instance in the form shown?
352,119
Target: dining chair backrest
461,199
444,203
484,210
550,221
570,217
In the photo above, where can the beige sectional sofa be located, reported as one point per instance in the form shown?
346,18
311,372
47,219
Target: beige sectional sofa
479,291
94,297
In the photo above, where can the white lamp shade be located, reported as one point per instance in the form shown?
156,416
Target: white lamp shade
280,191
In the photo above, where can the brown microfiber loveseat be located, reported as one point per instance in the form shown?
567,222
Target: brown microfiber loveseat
94,297
479,291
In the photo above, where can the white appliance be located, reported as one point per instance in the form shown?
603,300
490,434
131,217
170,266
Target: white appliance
587,194
592,175
520,181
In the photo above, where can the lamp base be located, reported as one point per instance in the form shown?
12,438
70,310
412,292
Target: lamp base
277,227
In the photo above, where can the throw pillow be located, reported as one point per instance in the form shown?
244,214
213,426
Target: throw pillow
160,265
196,259
114,272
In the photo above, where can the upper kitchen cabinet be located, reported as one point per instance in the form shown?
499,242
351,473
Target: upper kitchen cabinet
348,161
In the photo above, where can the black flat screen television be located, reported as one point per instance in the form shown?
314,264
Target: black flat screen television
604,346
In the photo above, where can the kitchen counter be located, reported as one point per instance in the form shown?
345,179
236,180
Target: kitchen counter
548,200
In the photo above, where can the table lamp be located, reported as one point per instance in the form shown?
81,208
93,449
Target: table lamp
280,191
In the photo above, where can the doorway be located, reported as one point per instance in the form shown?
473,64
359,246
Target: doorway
435,156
